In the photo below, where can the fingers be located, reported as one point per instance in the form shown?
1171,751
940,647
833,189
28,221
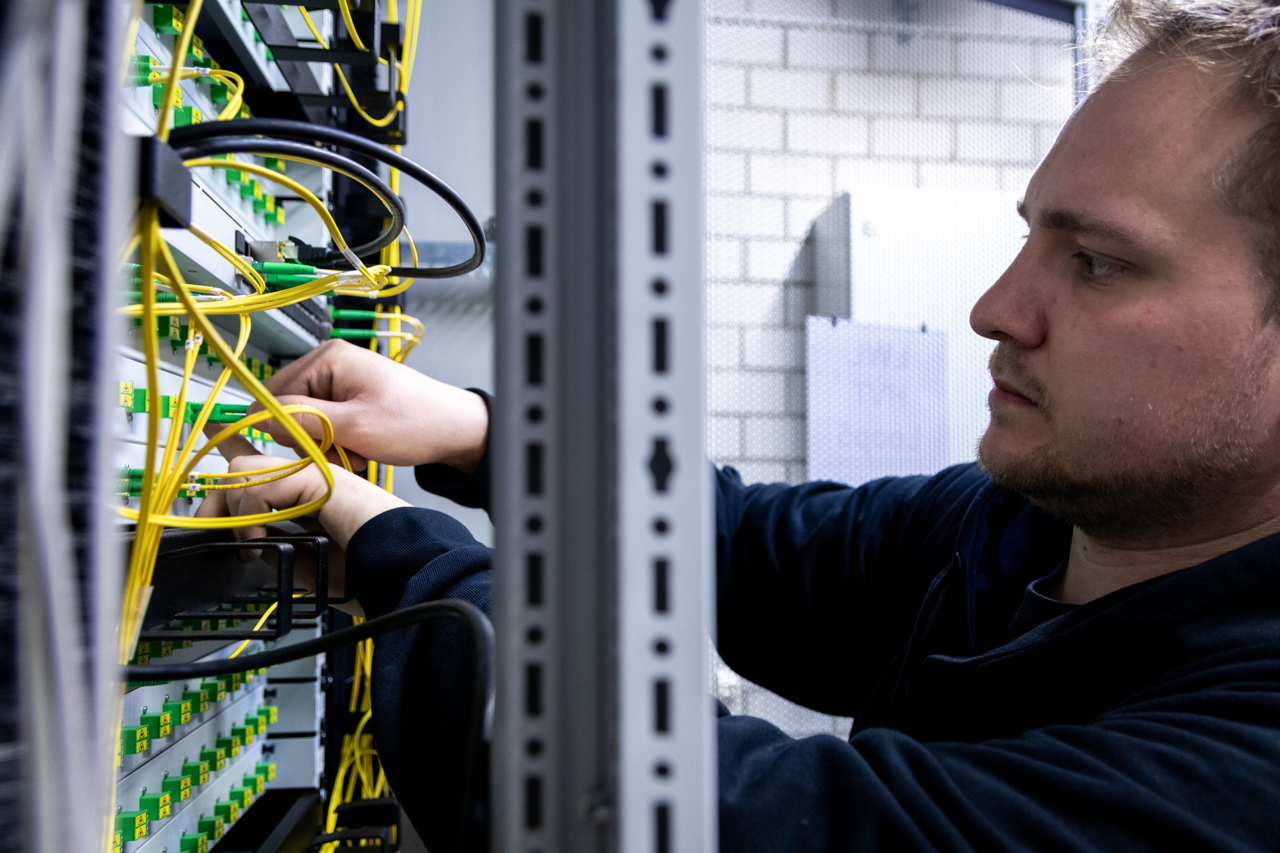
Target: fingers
233,446
337,413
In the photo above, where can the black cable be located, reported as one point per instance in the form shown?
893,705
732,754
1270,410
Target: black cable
331,159
305,131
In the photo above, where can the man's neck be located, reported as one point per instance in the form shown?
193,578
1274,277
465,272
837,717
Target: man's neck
1096,568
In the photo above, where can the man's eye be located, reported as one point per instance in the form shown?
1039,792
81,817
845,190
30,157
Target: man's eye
1094,266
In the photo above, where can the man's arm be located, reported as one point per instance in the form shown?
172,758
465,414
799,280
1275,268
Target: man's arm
818,585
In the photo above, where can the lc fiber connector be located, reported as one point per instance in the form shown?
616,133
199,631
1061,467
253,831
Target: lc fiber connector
199,700
229,745
155,805
177,787
228,810
179,712
157,725
216,757
132,825
196,771
212,826
193,842
133,739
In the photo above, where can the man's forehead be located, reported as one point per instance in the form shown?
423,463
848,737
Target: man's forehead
1142,156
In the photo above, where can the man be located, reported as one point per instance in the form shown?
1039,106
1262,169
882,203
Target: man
1075,645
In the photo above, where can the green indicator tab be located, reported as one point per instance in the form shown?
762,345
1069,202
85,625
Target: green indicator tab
197,771
199,700
132,825
155,805
266,770
177,787
196,842
212,826
179,712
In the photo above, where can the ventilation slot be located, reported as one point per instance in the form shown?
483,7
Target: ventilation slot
533,579
533,690
658,102
659,227
533,359
533,144
662,706
662,585
532,802
661,335
533,468
662,828
533,38
533,251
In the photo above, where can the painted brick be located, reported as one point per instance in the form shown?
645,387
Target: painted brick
724,346
795,392
996,59
800,215
747,217
967,17
906,137
746,392
1026,25
798,297
726,173
774,438
1036,102
788,89
827,134
726,7
758,131
790,175
797,473
773,348
1015,178
958,98
960,176
884,173
882,94
724,438
995,143
1055,62
736,43
792,8
762,472
726,85
724,259
838,49
919,55
771,260
1046,135
759,304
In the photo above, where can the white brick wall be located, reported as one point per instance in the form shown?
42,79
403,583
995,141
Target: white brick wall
810,98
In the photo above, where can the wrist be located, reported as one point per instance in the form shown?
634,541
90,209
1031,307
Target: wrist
354,501
464,442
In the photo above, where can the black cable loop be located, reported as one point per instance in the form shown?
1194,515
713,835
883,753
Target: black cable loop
315,133
331,159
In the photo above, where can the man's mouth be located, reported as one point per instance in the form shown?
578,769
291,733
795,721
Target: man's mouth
1005,392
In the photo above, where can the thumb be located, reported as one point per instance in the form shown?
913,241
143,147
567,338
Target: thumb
234,446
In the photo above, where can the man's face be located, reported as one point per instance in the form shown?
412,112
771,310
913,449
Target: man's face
1137,393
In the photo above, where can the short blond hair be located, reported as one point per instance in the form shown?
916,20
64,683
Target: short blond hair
1242,36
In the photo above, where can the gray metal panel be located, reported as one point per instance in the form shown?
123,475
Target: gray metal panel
589,225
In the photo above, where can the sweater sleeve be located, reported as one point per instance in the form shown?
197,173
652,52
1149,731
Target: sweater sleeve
817,585
1191,766
422,675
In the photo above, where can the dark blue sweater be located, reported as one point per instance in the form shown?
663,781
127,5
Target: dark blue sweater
1146,720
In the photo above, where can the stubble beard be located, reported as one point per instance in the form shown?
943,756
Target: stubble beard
1126,485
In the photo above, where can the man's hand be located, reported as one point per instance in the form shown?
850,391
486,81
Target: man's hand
380,409
354,501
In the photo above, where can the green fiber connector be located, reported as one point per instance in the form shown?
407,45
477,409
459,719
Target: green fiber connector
244,733
177,787
183,116
211,826
218,92
285,268
139,71
283,282
237,681
277,217
142,653
117,841
254,782
252,189
195,51
267,770
196,842
158,725
275,164
355,314
262,722
272,712
237,177
228,811
166,19
197,771
199,700
216,757
133,739
135,298
271,57
133,825
255,724
157,96
230,745
179,712
155,805
265,205
242,795
353,334
217,688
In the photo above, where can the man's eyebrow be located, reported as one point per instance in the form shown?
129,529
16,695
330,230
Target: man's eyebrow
1065,220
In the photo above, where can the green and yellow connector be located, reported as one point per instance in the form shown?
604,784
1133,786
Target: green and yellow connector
281,276
155,805
157,725
244,733
133,740
242,795
216,758
132,825
179,712
177,787
196,842
199,700
271,712
217,688
267,770
211,826
229,811
197,771
117,841
167,19
139,72
255,782
229,745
